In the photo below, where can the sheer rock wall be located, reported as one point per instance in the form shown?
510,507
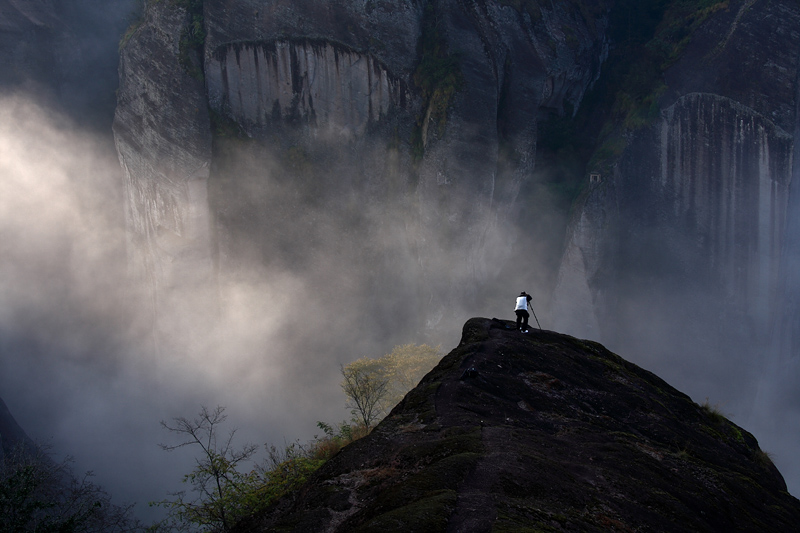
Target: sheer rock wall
331,88
692,232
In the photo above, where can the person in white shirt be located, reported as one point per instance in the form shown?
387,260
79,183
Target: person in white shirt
523,302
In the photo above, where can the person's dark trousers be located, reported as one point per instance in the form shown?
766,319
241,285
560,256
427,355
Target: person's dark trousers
522,316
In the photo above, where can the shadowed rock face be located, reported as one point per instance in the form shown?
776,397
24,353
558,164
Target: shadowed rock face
326,98
258,84
704,190
689,239
12,436
542,431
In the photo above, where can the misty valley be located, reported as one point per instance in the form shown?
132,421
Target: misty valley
243,246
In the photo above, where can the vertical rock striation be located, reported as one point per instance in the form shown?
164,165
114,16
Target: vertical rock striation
163,137
317,85
706,192
690,231
725,171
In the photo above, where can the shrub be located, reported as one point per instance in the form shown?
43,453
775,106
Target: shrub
224,493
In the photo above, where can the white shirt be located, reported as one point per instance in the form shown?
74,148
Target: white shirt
522,304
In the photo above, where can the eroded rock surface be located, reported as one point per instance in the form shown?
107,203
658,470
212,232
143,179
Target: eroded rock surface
544,431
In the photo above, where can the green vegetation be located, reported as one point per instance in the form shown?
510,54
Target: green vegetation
37,494
713,412
224,127
763,458
365,386
221,488
222,491
136,18
192,39
437,76
374,386
648,37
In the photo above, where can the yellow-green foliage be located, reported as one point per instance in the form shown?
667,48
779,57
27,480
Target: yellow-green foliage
405,365
193,38
395,374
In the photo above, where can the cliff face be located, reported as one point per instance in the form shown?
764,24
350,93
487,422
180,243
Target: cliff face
413,122
337,101
688,230
163,137
313,84
542,431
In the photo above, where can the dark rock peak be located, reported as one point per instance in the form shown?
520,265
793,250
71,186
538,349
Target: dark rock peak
542,431
12,436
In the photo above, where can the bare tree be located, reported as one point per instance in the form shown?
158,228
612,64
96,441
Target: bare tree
365,386
216,479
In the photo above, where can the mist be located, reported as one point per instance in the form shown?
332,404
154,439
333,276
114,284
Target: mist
91,365
306,281
314,265
79,366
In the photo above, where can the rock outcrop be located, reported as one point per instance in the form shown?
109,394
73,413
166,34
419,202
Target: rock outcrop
163,137
13,438
542,431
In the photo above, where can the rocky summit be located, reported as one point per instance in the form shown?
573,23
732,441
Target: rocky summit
540,431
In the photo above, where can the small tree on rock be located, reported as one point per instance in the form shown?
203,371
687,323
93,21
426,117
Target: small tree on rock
374,386
365,384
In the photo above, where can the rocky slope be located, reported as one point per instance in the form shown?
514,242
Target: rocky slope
542,431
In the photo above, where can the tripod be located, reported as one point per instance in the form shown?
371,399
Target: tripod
534,315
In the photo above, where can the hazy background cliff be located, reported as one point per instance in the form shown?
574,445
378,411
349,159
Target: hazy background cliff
682,249
294,185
